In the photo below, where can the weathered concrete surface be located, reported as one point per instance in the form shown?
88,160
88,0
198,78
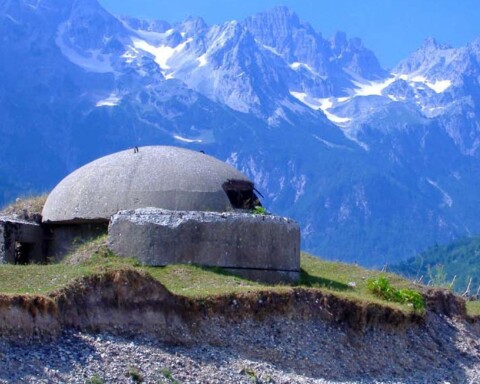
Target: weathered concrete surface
162,177
244,242
16,234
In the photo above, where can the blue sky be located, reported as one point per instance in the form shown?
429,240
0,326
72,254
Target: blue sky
391,28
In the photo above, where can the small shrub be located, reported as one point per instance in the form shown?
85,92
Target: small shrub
381,287
412,297
135,374
259,210
250,373
95,379
169,376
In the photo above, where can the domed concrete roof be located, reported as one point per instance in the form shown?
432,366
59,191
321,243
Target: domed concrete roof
161,177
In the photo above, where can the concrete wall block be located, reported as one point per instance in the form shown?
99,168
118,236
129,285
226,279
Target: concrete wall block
232,239
12,231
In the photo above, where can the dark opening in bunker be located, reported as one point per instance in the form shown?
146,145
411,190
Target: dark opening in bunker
23,252
241,194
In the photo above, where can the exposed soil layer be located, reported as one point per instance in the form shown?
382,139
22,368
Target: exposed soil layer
129,301
23,317
300,336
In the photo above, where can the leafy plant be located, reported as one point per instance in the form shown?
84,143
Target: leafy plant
169,376
95,379
135,374
381,287
412,297
259,210
251,374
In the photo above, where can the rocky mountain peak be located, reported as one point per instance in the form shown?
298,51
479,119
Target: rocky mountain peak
280,16
430,44
431,54
194,26
339,41
276,27
319,126
353,56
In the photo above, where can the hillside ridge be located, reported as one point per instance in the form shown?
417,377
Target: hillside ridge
295,331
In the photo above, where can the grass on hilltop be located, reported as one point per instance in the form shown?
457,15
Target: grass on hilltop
26,208
345,280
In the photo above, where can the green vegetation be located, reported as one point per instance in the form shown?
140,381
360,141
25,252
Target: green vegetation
169,376
381,287
473,308
135,375
345,280
38,279
348,280
250,373
95,379
259,210
27,207
449,266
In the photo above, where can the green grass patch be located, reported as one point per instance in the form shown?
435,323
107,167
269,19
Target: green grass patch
349,280
345,280
25,207
44,279
38,279
473,308
382,288
200,282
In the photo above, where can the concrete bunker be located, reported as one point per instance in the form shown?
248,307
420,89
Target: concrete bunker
21,242
134,195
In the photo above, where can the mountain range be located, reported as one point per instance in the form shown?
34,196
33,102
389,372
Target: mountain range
375,164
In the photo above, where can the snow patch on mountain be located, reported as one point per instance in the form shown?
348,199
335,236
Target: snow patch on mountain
92,60
202,60
111,101
371,88
447,199
233,159
299,184
439,86
328,143
161,53
268,48
153,36
186,140
297,65
323,104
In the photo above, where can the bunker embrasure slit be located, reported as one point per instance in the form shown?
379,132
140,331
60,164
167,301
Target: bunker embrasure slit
23,252
241,194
